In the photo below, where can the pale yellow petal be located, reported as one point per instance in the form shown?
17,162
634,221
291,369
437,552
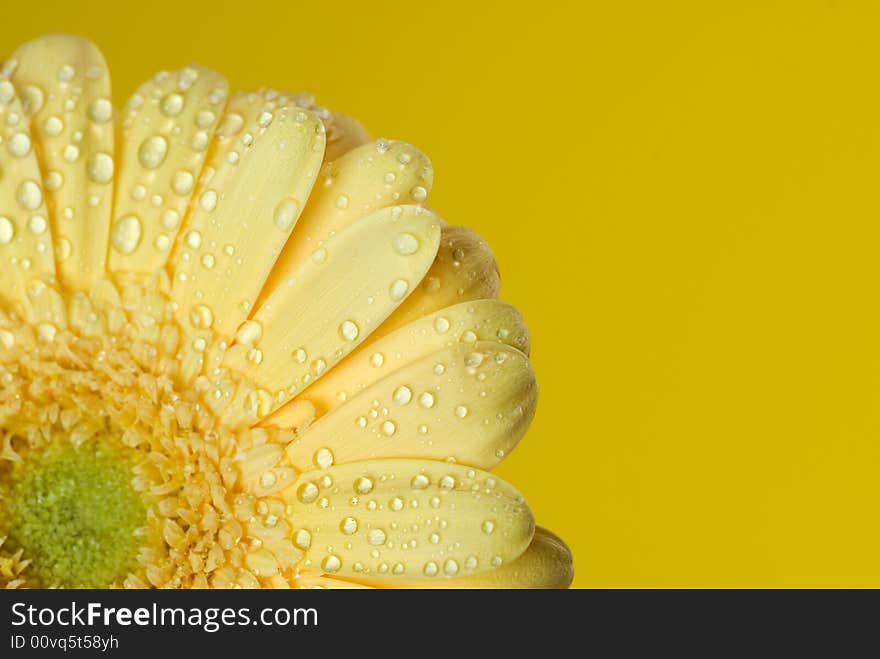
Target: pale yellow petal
547,563
167,128
335,299
469,403
364,180
465,269
344,133
25,237
244,209
481,320
65,86
405,519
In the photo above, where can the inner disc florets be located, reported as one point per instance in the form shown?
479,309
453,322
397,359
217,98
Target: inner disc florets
72,510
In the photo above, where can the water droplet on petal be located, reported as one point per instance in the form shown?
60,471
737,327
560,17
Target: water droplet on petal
286,213
126,234
307,492
172,105
376,537
101,168
7,230
406,244
331,564
398,289
19,145
348,330
348,526
363,485
152,151
28,195
402,395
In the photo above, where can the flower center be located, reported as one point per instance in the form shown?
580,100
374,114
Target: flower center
73,511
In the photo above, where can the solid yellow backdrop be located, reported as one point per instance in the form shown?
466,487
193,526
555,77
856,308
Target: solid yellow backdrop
683,199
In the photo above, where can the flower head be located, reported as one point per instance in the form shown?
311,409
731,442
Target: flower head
238,350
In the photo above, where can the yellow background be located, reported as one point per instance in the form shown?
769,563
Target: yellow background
683,198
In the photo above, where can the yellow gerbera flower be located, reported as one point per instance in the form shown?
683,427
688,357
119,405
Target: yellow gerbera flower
237,349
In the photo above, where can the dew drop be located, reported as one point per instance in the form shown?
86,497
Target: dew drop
441,324
419,482
406,244
172,105
418,194
402,395
286,213
249,333
101,168
152,151
363,485
319,255
66,73
7,230
53,126
208,200
201,316
461,411
324,458
19,145
232,123
376,537
194,239
426,400
126,234
342,202
182,183
450,567
170,219
431,569
63,249
398,289
31,99
307,492
300,355
205,119
71,153
388,428
303,539
348,526
488,527
396,504
101,111
331,564
37,225
377,359
348,330
28,195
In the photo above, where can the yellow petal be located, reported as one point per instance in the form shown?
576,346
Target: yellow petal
364,180
358,278
167,127
470,403
25,236
465,269
547,563
482,320
344,133
66,91
245,207
405,519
